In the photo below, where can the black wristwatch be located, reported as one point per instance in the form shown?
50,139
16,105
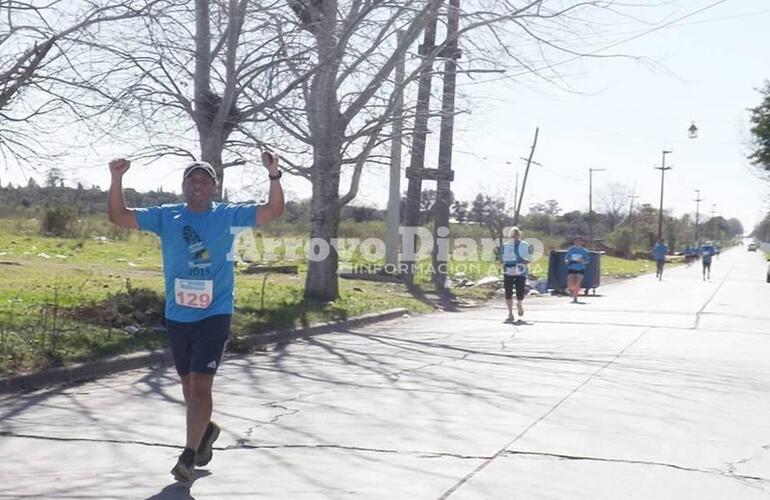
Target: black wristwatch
276,176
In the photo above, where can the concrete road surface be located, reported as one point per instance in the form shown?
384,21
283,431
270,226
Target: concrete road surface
652,390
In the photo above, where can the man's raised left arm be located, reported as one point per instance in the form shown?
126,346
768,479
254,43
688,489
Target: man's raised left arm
275,203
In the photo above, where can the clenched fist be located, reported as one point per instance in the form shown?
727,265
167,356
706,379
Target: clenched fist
270,161
119,166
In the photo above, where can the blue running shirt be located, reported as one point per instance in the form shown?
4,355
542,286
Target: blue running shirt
576,258
706,252
515,256
659,251
199,277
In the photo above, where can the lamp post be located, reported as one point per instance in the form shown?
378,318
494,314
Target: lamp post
692,132
662,169
590,203
697,200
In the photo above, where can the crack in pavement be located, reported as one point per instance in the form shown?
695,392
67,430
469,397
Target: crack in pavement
415,453
245,446
481,467
731,466
275,405
89,440
730,474
396,376
706,304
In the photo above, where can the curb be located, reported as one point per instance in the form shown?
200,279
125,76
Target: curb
125,362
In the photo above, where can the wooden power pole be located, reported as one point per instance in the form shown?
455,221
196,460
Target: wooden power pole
414,173
445,174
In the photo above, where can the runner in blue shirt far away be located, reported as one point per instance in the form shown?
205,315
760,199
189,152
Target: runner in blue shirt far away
515,257
197,239
576,260
706,252
659,252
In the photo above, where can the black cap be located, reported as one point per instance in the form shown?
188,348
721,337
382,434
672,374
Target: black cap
203,165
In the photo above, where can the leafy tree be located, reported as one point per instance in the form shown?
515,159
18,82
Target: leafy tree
460,211
760,119
54,177
427,205
762,231
491,213
549,207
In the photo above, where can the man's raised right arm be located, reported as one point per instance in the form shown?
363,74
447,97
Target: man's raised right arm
117,211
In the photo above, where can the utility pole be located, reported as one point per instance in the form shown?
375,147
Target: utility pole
445,174
633,196
697,200
414,173
516,192
662,169
393,215
524,182
712,227
590,204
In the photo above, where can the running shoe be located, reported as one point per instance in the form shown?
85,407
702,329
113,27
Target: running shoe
185,466
205,450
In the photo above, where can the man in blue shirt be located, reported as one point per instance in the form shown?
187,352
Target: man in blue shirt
706,252
197,239
577,261
659,252
515,257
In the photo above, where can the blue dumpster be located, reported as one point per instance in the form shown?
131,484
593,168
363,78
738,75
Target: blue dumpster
592,277
557,271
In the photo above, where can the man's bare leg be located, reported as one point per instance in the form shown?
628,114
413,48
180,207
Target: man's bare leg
197,395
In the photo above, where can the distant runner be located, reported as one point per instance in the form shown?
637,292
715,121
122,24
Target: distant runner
576,259
707,251
515,256
659,252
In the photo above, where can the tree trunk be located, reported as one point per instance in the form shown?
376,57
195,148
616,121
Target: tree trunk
211,151
326,128
322,281
212,139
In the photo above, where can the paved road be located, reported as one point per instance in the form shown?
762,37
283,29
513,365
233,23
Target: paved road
653,390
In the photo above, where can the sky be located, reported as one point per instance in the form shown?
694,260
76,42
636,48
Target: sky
707,69
620,114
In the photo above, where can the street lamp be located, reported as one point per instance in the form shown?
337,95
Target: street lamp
692,132
662,169
590,203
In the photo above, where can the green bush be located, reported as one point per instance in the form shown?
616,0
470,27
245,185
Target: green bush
59,221
622,239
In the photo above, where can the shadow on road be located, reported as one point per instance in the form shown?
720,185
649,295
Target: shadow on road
179,491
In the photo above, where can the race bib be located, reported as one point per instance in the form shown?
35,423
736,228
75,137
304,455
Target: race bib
576,258
193,293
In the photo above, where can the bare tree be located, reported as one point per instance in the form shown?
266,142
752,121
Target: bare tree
613,200
40,59
348,102
195,80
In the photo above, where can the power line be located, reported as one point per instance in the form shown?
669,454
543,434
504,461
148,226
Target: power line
625,40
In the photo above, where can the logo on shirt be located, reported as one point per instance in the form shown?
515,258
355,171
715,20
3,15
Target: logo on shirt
199,261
